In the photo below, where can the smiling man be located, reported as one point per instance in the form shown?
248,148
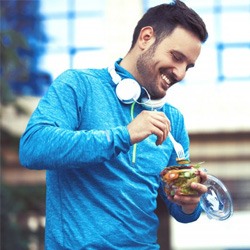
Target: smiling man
157,65
98,135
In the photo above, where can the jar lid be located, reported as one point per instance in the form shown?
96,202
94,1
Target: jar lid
216,202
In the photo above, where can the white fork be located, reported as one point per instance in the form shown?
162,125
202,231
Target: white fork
177,147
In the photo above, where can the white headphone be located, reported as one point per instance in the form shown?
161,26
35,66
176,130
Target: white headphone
128,91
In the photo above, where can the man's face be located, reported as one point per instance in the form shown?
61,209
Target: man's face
161,66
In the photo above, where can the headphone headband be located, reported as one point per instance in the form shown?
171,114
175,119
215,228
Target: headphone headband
115,77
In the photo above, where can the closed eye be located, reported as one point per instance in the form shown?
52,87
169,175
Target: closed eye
177,57
180,58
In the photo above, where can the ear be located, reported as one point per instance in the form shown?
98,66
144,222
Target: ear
146,37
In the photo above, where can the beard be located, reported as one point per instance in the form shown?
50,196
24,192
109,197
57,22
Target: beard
148,77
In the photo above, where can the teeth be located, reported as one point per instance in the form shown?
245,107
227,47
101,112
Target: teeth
166,79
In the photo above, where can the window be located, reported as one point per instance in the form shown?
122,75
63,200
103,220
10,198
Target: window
75,33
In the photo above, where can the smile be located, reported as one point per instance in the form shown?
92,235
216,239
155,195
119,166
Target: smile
166,79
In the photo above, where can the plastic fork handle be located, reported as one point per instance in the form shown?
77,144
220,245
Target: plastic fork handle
176,145
171,138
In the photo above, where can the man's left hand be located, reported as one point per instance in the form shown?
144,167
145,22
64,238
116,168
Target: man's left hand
190,202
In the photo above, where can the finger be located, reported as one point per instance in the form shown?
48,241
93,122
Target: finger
160,136
161,133
160,116
163,126
200,188
203,176
185,200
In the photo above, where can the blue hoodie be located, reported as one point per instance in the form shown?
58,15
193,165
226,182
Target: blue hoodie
101,189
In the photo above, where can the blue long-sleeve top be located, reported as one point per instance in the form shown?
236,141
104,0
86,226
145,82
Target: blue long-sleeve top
101,189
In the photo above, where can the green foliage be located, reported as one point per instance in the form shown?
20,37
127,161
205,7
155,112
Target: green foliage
12,65
21,44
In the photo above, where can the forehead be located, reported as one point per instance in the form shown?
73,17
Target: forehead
183,41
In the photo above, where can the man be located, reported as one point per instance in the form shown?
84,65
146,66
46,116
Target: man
102,136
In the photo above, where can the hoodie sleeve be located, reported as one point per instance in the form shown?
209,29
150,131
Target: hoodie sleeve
51,139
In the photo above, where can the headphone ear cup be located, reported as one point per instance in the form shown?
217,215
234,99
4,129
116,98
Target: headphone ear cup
128,90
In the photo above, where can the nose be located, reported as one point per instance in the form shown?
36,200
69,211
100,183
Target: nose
179,72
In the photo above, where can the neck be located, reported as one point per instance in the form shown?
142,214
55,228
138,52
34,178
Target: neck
129,63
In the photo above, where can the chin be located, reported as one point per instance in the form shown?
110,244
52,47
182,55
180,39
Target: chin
156,94
159,96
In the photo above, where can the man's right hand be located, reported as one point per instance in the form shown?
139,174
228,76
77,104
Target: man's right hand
148,123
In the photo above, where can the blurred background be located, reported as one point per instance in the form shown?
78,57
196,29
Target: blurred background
42,38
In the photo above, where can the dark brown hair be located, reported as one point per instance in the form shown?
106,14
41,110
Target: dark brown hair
164,18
